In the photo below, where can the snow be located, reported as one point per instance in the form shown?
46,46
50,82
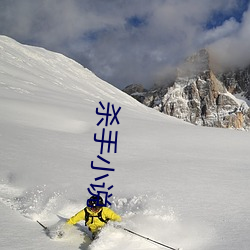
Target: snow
182,185
242,99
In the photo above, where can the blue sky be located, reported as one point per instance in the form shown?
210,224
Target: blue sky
131,41
218,17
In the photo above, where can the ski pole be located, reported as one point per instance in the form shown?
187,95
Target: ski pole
45,228
150,239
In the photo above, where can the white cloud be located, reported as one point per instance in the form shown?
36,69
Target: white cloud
233,50
228,28
97,32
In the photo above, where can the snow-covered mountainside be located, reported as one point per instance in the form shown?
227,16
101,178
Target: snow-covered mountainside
237,81
198,96
182,185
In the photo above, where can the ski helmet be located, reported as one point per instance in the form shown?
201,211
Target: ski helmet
95,201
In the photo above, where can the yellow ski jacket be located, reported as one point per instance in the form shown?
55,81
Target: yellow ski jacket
94,223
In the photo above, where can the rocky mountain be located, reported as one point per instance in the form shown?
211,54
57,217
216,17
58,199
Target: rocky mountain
237,81
200,96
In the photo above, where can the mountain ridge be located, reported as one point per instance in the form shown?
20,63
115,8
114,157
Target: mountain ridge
200,95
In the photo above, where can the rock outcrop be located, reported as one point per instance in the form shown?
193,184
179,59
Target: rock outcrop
199,96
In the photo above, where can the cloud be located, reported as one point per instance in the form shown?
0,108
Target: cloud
228,28
121,41
232,50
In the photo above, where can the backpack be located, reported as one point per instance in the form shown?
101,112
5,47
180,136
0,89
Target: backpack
99,215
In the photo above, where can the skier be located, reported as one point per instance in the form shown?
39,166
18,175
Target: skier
95,215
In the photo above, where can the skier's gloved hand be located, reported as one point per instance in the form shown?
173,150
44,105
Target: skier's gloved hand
60,233
62,230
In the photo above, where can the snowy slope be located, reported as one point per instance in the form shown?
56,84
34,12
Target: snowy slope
182,185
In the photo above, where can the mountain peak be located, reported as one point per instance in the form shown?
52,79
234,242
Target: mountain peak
200,96
197,64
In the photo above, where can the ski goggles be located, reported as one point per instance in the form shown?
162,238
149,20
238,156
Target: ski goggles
95,208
